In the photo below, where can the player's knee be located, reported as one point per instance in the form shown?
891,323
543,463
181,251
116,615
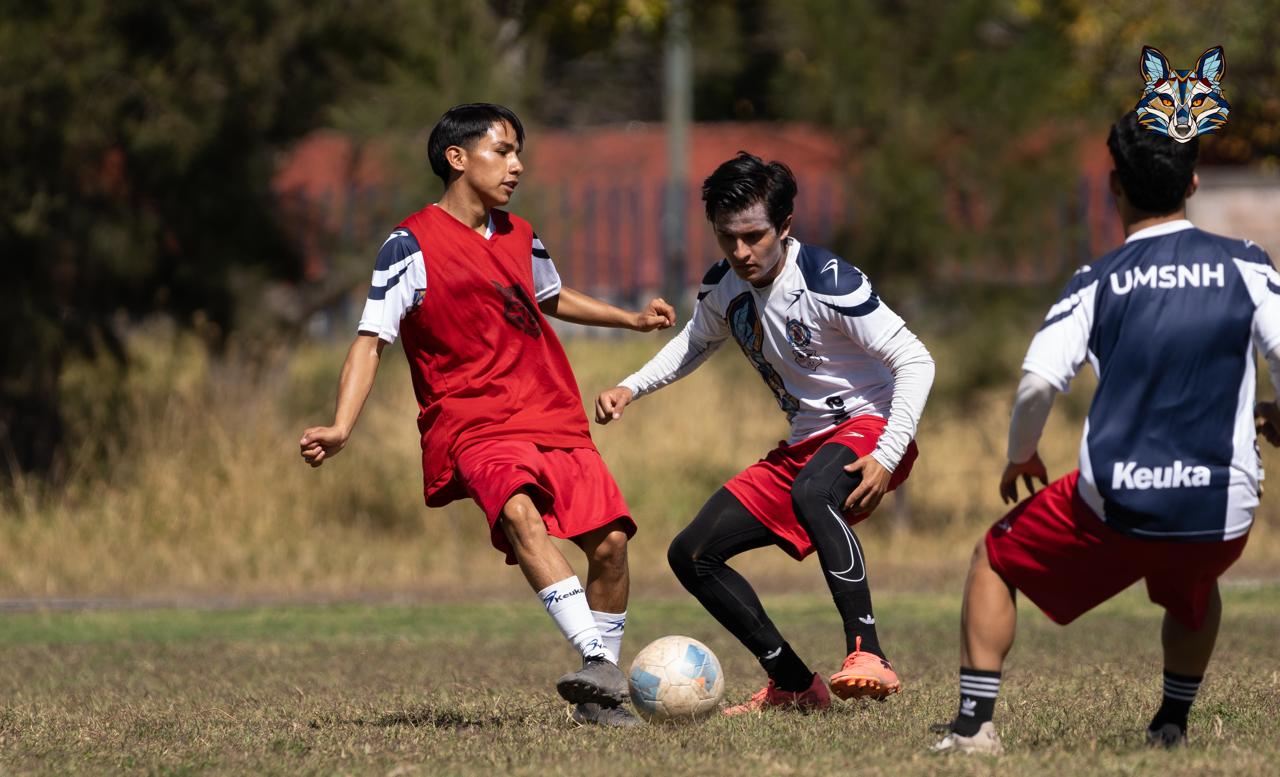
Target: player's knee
807,495
979,557
682,558
612,549
522,522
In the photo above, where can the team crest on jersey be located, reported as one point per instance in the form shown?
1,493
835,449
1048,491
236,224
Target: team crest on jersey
418,296
1183,104
799,336
797,333
518,310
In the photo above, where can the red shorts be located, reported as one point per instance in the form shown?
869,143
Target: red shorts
764,488
1053,548
571,487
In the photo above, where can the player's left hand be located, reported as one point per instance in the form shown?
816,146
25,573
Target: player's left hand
1031,468
875,483
1266,419
657,315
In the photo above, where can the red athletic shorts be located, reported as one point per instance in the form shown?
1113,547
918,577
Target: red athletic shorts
1053,548
764,488
571,487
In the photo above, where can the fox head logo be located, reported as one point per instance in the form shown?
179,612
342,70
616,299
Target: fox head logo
1183,103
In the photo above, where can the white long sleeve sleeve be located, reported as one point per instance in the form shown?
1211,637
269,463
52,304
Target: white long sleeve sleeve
683,354
1031,409
913,370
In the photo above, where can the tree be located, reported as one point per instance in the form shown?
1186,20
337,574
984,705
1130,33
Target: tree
137,141
955,115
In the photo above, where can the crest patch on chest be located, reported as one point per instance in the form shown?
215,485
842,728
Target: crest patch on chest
518,310
797,333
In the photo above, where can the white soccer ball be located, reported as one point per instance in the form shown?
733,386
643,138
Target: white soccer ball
676,678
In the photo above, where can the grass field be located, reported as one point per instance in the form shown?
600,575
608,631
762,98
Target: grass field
466,688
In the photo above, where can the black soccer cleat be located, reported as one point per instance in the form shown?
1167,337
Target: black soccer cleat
1169,736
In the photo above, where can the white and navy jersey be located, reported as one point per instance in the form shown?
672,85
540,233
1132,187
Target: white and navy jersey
1169,321
820,337
400,280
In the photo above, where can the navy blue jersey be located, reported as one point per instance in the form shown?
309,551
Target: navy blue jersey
1169,321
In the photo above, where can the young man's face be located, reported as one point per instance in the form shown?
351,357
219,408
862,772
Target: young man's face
491,166
751,244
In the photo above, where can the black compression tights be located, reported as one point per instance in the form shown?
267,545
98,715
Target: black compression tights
818,495
722,530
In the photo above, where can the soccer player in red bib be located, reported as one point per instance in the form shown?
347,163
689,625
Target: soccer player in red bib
852,380
465,286
1169,470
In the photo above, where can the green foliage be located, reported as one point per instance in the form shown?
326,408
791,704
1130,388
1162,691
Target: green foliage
964,118
138,141
601,61
954,115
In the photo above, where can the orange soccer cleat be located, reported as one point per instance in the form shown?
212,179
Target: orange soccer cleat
865,675
815,698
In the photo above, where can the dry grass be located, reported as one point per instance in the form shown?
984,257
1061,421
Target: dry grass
466,689
203,492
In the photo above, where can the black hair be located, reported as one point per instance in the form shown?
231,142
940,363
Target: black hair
1154,169
463,125
745,180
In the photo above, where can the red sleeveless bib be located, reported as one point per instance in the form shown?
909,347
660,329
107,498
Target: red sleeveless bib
485,363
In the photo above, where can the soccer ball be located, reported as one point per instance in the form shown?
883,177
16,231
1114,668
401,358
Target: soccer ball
676,678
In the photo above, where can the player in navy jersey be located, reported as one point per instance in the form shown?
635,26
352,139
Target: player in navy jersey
465,286
851,379
1169,472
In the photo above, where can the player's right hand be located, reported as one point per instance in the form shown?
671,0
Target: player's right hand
321,442
1031,468
1266,419
609,404
658,314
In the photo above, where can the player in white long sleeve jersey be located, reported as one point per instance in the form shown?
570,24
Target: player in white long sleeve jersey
852,380
1169,469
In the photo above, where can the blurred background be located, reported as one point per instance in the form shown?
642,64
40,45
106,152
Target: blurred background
193,194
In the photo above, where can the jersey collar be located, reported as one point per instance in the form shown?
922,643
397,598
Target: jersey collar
790,254
1159,230
488,228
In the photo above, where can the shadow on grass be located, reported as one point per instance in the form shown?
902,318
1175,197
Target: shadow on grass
431,717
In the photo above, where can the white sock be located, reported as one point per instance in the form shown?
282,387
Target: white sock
566,603
611,626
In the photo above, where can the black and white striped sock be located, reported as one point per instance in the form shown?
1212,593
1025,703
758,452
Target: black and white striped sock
1179,693
978,690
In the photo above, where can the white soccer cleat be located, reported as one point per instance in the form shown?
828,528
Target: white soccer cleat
985,742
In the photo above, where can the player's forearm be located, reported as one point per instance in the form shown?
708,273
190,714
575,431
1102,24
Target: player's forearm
913,372
1031,409
356,380
578,308
679,357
